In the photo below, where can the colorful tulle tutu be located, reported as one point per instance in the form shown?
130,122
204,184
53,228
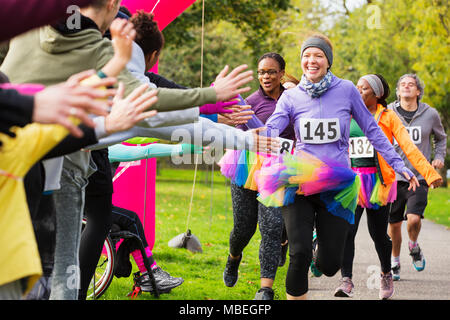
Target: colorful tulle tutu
240,166
279,178
373,194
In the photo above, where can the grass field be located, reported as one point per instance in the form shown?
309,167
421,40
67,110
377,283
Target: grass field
202,272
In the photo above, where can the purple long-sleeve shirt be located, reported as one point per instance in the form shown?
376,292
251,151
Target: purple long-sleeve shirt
263,106
18,16
322,125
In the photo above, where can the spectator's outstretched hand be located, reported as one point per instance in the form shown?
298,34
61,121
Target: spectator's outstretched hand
228,86
55,104
122,36
241,115
125,113
264,144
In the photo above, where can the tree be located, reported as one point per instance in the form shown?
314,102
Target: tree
222,45
253,18
410,37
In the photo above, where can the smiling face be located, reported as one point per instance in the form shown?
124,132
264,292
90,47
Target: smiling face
366,92
269,75
314,64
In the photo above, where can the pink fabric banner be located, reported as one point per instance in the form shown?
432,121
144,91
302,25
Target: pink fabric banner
134,189
165,11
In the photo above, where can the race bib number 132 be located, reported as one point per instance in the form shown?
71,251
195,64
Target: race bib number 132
317,131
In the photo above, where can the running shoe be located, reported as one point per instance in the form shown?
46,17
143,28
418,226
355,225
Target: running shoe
418,259
386,286
395,271
345,290
265,293
164,281
230,275
314,270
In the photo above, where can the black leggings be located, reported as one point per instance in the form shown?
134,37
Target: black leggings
97,210
98,215
377,222
300,219
128,220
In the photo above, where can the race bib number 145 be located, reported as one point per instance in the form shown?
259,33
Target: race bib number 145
317,131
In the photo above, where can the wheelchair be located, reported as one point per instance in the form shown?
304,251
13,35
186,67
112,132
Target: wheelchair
104,272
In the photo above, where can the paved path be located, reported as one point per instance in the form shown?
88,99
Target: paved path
431,284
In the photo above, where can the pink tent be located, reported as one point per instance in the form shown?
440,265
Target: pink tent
134,188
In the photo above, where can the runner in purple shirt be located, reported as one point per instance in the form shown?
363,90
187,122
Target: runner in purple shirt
321,107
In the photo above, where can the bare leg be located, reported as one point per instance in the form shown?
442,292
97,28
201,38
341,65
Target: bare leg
395,232
413,226
302,297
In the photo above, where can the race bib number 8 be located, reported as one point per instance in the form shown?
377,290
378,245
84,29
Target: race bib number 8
317,131
286,145
360,147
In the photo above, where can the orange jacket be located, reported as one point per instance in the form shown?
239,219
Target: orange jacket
392,127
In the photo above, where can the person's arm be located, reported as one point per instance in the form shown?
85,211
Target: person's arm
212,117
15,110
440,141
124,153
202,133
171,118
71,144
20,16
122,34
377,138
279,119
414,155
227,86
162,82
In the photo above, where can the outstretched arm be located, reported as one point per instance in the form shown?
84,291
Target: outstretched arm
414,155
378,139
123,153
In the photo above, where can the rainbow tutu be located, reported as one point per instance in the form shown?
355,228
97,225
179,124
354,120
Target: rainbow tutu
373,194
240,166
279,178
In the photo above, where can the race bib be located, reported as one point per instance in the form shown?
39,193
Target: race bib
286,145
415,133
360,147
318,131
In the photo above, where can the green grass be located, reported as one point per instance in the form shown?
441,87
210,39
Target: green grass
438,208
202,272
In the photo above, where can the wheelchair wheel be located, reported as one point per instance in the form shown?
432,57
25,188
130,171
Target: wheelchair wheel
104,272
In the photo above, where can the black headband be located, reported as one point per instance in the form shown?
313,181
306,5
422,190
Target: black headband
321,44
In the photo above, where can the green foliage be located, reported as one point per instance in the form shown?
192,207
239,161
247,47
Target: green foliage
253,18
394,37
222,45
390,37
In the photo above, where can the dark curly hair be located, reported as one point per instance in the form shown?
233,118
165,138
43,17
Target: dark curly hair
275,56
148,35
